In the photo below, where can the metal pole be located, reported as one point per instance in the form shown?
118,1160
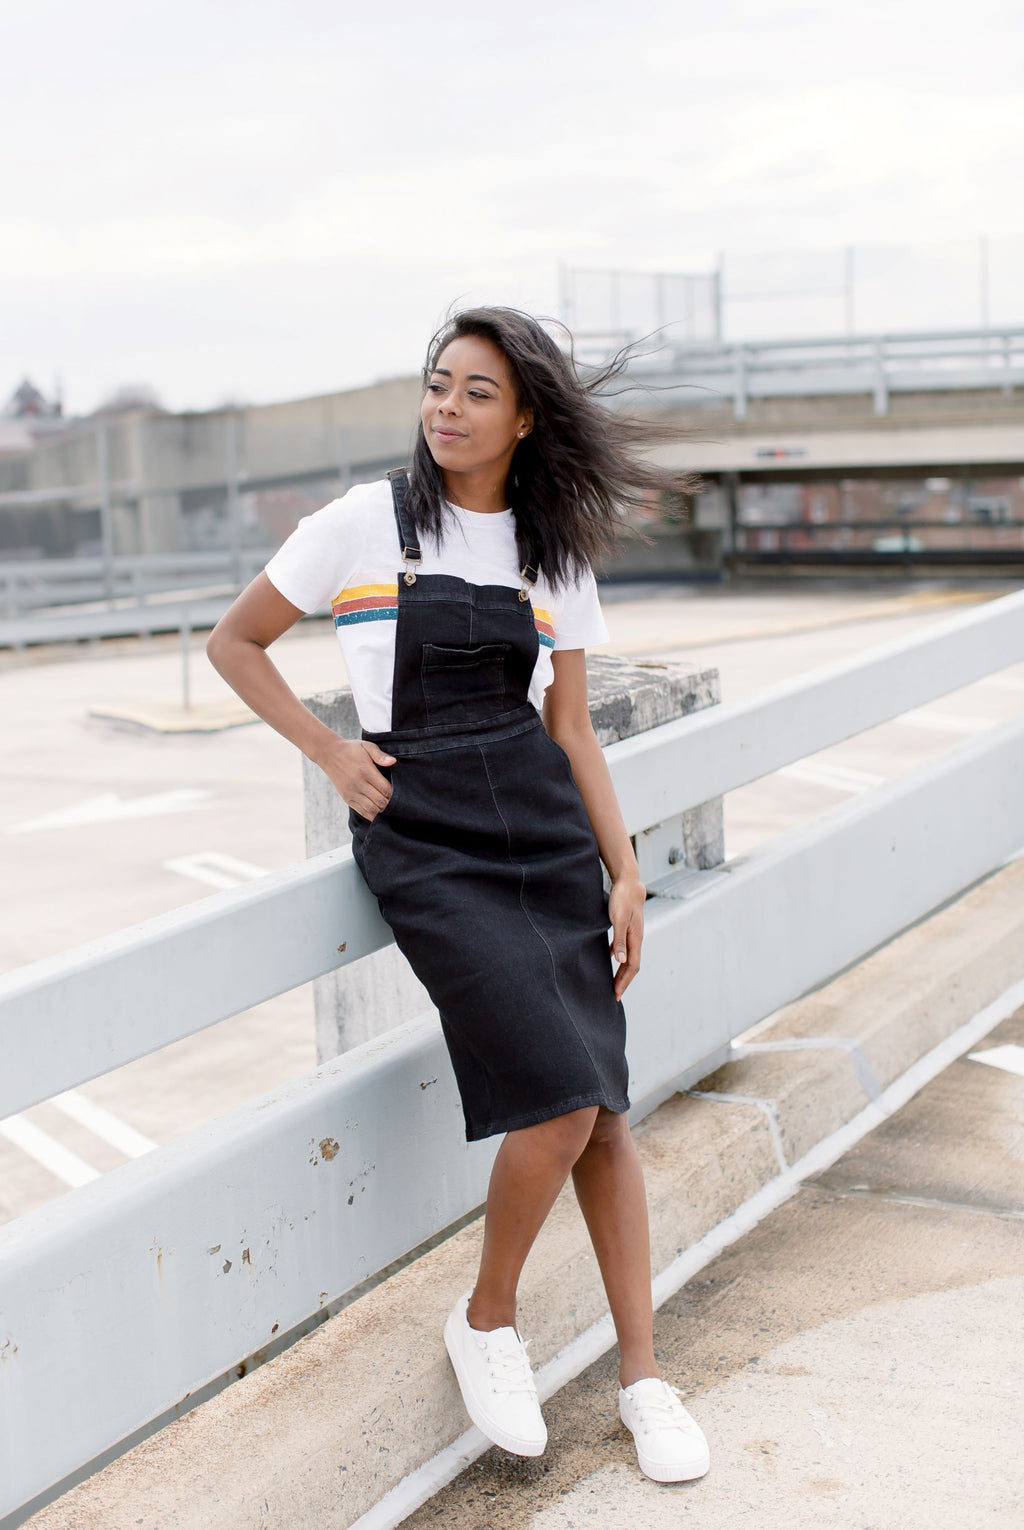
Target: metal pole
983,279
719,285
106,507
848,282
233,503
732,489
344,461
186,634
564,298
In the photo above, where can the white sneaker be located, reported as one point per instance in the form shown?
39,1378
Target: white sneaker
497,1383
670,1445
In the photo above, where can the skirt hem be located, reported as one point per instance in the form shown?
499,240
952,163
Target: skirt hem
618,1105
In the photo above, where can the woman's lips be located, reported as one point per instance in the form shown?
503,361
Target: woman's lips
449,435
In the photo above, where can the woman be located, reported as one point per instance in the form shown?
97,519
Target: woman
481,808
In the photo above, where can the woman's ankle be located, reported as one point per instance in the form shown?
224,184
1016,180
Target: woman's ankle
637,1368
485,1314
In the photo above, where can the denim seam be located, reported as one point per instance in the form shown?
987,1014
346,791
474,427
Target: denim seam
446,740
537,931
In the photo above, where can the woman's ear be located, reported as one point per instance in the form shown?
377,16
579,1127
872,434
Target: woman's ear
526,423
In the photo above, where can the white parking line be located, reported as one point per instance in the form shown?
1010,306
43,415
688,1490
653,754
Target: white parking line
102,1123
46,1150
1003,683
1009,1057
110,808
944,722
840,778
215,869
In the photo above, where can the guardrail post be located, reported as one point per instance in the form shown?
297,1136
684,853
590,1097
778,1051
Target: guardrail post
354,1003
740,384
881,381
106,506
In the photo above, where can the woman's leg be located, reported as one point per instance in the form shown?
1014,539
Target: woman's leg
609,1186
531,1167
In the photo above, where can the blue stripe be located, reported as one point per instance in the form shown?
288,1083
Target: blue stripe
380,614
548,642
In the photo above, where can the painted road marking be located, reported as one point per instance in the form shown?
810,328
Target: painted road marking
1003,683
1009,1057
944,722
840,778
103,1123
215,869
46,1150
109,807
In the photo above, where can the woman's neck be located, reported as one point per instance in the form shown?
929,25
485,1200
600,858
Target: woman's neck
481,492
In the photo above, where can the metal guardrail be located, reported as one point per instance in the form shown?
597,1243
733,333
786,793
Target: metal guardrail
881,542
879,365
29,584
133,1291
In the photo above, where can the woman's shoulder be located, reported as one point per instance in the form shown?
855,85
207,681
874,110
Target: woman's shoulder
362,501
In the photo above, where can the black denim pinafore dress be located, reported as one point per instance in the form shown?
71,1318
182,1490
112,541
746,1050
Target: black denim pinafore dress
484,862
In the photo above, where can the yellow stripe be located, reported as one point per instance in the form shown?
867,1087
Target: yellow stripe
361,591
545,616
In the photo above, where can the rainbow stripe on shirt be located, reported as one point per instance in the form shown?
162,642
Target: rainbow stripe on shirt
365,603
545,626
379,603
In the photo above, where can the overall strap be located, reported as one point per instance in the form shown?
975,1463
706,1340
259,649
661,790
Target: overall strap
407,539
409,543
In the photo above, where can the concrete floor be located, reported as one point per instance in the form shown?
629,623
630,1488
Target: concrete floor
855,1360
102,827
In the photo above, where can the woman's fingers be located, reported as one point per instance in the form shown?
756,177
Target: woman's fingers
377,755
371,793
626,950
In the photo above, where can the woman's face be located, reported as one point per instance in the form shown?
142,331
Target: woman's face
472,421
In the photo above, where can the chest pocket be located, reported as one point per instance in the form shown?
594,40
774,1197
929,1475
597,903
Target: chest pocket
463,684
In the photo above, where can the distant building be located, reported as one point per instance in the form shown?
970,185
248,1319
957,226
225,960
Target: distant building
27,415
26,402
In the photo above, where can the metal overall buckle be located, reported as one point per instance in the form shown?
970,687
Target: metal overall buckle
528,574
410,556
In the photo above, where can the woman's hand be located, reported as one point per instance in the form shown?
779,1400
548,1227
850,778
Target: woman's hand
626,915
351,766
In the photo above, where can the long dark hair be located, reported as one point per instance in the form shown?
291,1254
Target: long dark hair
580,469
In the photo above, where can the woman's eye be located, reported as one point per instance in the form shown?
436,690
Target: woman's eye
475,394
434,388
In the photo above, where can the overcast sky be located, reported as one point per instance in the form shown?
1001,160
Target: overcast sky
257,199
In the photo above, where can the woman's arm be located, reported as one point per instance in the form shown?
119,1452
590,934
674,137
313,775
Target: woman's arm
567,719
237,649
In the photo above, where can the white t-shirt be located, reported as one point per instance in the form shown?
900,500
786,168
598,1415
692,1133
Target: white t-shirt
347,555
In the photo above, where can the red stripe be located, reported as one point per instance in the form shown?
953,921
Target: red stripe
368,603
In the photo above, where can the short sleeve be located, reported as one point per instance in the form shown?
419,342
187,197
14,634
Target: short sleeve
580,621
308,566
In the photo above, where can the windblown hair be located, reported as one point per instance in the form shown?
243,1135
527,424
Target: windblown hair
583,465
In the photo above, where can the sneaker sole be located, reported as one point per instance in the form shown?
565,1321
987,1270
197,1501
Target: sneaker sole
494,1432
663,1473
669,1473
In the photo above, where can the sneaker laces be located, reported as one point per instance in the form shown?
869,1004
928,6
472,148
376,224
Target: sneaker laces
510,1368
665,1411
